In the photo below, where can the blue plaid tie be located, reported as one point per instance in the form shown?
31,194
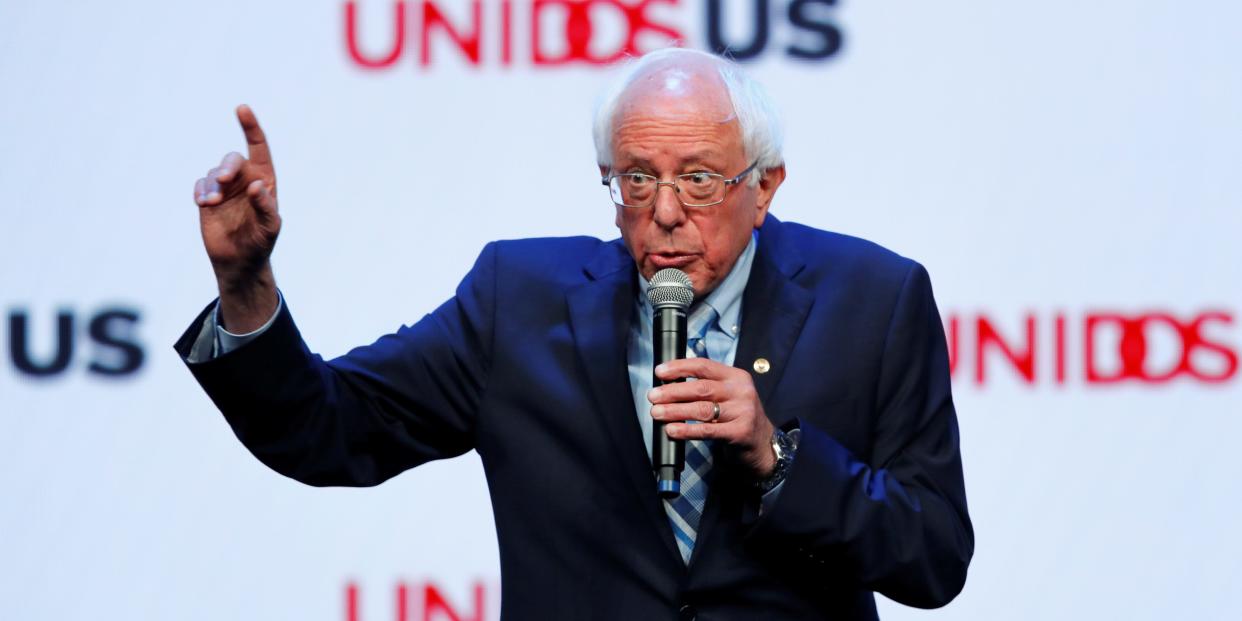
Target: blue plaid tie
685,510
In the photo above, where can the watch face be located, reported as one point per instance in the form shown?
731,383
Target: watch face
778,445
784,444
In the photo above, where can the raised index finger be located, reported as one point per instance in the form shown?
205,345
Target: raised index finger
255,140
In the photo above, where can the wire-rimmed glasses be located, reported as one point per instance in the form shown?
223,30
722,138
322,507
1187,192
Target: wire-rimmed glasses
697,189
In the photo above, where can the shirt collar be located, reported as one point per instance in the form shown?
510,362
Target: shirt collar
726,298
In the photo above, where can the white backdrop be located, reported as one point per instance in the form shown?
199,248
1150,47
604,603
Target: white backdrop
1044,160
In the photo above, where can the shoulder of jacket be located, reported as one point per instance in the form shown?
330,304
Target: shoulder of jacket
828,249
547,258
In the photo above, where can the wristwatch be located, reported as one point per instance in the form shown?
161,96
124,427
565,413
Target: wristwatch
785,447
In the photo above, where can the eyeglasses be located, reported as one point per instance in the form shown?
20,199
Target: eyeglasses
697,189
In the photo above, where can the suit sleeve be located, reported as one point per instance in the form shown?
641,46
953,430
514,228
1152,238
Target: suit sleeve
360,419
896,523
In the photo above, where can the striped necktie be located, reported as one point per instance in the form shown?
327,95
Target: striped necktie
685,511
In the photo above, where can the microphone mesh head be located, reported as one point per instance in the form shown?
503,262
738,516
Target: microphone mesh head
670,287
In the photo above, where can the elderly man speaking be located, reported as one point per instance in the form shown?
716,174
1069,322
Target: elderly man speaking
820,438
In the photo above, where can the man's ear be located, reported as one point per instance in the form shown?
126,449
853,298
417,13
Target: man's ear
603,172
771,179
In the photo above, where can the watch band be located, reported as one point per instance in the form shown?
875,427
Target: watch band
785,447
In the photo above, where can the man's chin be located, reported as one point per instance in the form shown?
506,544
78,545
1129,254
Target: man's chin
691,268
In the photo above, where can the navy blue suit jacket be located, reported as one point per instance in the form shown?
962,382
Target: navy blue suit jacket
527,365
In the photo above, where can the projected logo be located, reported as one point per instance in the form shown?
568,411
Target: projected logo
428,602
1096,348
381,34
103,343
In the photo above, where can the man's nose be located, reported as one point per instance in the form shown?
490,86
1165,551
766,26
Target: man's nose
668,210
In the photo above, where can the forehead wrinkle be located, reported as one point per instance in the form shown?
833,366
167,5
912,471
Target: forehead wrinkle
641,138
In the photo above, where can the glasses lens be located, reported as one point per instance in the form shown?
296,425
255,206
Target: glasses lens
633,189
700,188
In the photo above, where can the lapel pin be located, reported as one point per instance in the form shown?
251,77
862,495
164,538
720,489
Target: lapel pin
762,365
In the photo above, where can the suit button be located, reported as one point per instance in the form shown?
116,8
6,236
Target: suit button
687,612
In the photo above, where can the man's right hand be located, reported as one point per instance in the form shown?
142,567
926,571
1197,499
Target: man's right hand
239,221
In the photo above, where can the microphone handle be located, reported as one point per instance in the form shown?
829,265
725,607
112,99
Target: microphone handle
668,457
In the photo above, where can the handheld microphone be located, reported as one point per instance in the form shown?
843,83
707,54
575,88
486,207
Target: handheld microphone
670,293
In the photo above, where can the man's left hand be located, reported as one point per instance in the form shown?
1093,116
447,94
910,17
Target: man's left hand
742,422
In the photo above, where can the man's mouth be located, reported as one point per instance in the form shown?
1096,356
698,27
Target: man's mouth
670,259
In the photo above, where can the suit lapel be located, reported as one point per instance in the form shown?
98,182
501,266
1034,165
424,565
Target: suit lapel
774,310
601,311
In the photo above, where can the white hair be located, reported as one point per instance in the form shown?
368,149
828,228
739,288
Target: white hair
757,116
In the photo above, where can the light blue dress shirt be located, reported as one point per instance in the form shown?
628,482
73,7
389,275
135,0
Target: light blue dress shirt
215,341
